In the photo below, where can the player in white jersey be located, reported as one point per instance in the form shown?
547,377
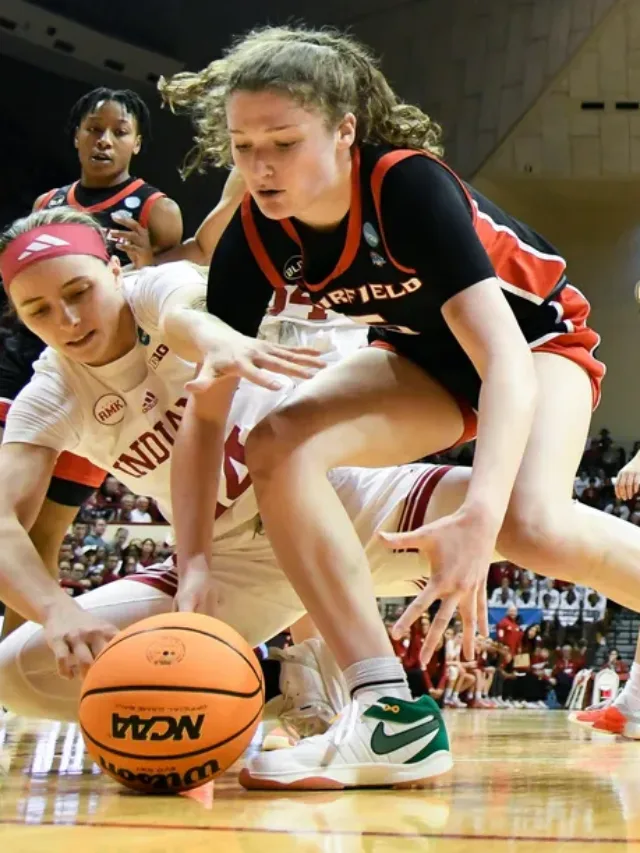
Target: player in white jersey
110,386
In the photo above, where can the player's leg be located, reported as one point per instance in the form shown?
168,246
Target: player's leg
375,408
29,682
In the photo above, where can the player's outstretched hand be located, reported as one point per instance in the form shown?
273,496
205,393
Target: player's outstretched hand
247,358
460,551
628,480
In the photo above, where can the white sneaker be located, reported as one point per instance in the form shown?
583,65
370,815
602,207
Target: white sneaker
313,690
375,742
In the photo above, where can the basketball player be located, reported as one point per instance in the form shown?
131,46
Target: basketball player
107,128
469,310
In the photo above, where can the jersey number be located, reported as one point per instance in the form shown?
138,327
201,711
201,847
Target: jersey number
235,485
296,297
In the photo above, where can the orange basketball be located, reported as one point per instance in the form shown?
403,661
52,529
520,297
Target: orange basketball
171,702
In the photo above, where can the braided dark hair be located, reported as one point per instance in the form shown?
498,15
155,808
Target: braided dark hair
132,103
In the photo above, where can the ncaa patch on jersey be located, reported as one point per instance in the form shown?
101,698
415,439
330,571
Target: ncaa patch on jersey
109,409
370,235
132,202
293,268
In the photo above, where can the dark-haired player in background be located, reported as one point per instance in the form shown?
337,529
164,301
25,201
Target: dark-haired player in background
107,127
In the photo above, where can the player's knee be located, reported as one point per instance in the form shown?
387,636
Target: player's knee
530,528
275,440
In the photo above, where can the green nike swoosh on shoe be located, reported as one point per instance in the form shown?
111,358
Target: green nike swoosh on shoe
383,744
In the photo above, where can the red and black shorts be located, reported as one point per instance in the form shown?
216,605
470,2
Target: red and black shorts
445,360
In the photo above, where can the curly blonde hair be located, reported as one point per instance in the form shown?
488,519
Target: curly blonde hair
318,68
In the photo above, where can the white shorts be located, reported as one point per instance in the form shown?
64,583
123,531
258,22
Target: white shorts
254,595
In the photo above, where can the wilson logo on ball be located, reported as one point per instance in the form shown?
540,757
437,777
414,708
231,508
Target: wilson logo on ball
136,727
163,781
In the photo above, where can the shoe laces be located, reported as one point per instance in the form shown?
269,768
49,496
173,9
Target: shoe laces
344,723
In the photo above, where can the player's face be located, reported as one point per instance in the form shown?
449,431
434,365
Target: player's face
291,161
74,304
106,139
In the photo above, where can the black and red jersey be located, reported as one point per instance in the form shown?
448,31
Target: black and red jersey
133,196
415,236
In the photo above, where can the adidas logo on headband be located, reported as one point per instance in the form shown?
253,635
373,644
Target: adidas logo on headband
44,241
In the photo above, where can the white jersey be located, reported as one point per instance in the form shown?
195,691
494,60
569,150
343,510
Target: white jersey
124,416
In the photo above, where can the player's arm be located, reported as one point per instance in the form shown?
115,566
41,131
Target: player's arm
27,458
27,586
164,225
441,243
199,249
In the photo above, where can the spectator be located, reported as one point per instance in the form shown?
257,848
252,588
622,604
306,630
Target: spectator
107,499
509,632
591,495
525,596
96,537
120,541
549,614
148,553
563,673
80,530
140,513
615,663
127,504
568,615
580,483
111,569
503,595
130,566
635,512
76,581
547,587
619,509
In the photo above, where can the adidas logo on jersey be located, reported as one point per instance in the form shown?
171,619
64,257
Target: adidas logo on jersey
44,242
149,402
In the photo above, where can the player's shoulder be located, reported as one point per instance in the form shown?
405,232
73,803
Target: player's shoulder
51,386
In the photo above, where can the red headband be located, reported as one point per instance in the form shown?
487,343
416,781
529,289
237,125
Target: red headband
50,241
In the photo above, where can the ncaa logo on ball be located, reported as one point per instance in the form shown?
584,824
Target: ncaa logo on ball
166,651
293,268
109,409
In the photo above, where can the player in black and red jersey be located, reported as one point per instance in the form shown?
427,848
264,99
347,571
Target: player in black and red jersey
107,128
470,313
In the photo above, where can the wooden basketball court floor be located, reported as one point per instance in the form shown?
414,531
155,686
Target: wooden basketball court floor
523,782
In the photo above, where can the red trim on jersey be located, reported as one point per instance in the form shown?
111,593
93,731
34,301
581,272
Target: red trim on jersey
377,176
146,207
44,201
525,268
257,246
108,202
5,405
354,226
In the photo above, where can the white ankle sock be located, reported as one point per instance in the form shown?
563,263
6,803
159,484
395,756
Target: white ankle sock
629,699
384,676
